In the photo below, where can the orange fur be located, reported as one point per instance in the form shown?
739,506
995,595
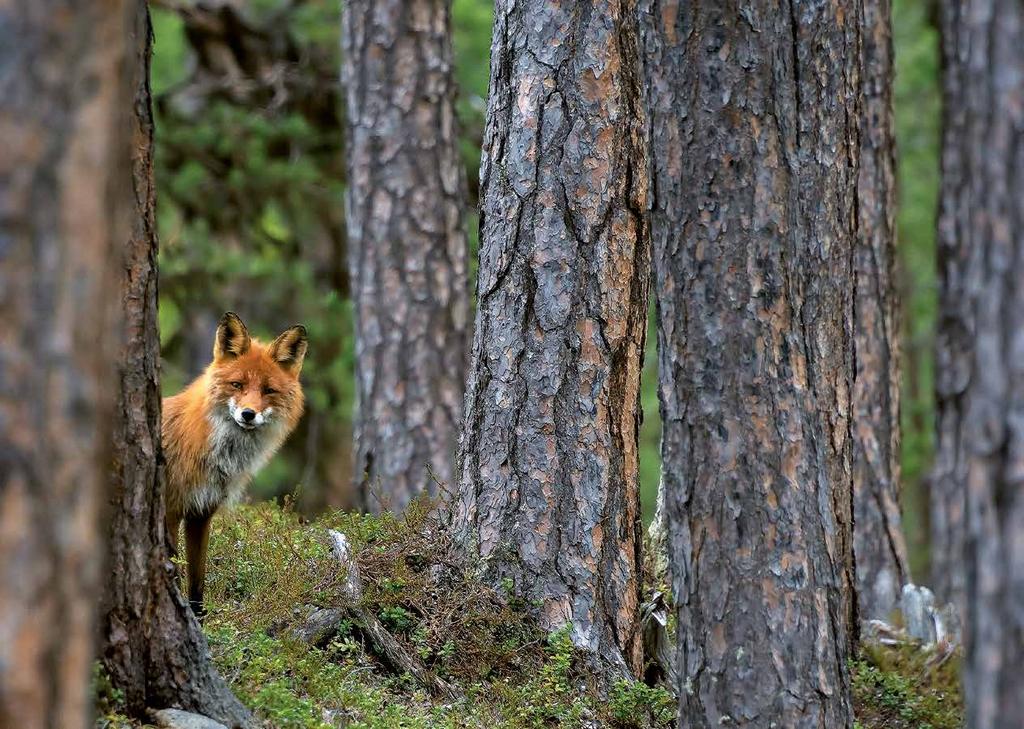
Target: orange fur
211,454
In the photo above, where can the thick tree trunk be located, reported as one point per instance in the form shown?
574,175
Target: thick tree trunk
407,246
755,149
548,465
60,100
153,648
881,552
982,265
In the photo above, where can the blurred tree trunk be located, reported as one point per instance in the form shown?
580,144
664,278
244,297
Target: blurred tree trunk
549,490
60,101
153,648
981,341
881,552
407,246
755,151
953,338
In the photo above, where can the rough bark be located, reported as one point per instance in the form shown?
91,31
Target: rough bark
548,464
982,304
878,542
60,95
754,225
153,648
407,246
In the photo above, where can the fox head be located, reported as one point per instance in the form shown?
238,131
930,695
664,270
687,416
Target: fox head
257,384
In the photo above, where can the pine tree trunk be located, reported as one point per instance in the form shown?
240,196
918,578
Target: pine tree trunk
881,552
60,100
548,465
953,341
153,648
755,150
407,246
982,303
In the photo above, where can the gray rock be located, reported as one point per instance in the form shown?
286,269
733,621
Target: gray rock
918,607
177,719
947,625
319,626
336,718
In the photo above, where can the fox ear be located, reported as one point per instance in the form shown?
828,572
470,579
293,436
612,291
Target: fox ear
289,349
232,338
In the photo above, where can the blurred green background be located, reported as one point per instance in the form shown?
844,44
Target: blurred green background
250,177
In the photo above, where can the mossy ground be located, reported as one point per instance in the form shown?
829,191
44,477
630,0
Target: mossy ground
268,567
904,687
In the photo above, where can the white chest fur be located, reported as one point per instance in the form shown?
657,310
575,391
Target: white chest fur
234,455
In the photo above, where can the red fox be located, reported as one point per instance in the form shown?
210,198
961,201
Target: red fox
223,428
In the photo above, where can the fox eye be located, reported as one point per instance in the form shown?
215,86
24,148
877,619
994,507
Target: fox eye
269,391
237,385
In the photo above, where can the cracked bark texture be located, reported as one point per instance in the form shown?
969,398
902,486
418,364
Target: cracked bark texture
981,340
549,493
754,226
152,646
60,98
878,542
407,246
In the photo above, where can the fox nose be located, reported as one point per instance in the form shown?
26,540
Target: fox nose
248,415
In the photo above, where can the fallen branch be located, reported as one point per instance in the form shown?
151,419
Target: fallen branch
322,624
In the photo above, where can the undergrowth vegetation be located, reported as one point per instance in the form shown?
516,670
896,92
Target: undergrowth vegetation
270,569
904,687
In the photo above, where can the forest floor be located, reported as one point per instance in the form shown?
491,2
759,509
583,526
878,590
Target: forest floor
270,570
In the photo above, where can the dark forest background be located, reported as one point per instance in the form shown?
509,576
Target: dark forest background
250,172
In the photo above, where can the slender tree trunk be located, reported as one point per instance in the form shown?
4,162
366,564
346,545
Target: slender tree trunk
881,552
60,165
407,246
982,265
548,466
755,150
954,335
153,648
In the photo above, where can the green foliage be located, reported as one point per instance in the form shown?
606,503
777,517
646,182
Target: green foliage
549,698
108,701
903,687
917,105
471,41
636,704
262,566
168,67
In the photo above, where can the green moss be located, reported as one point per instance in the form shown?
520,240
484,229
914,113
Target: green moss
268,567
904,687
